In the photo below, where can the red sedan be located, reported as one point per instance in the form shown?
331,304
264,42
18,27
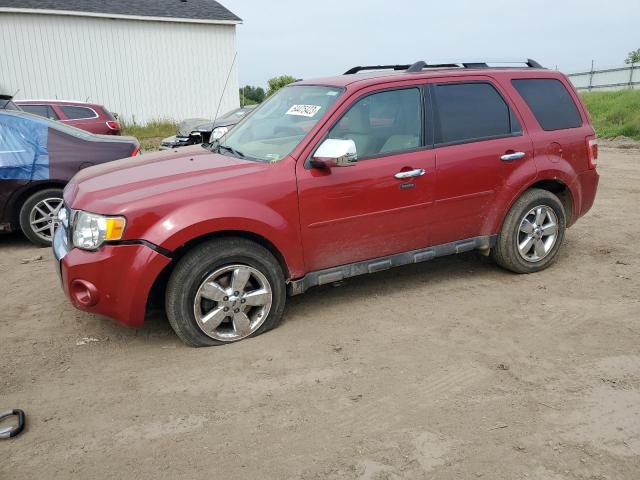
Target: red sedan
86,116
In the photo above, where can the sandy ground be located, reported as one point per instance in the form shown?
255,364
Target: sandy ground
448,369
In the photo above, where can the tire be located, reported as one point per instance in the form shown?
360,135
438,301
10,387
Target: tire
194,289
515,233
37,213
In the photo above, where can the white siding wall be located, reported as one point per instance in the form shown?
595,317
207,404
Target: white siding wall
141,70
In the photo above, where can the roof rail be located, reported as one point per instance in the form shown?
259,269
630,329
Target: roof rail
353,70
421,65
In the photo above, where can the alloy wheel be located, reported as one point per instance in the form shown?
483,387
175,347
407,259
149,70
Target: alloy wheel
537,233
43,217
232,302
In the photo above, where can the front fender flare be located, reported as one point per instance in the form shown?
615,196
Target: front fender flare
192,221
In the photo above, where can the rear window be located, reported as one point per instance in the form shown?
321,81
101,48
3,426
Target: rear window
550,102
467,112
78,113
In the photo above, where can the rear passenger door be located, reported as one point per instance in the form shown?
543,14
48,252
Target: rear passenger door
481,152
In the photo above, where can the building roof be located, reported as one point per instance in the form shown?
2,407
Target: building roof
195,11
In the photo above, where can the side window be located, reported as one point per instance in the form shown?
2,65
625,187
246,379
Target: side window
467,112
51,113
77,113
41,110
550,103
383,123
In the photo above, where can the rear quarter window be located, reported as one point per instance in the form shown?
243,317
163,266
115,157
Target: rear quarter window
550,103
78,113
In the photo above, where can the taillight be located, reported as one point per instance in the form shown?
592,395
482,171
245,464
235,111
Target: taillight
136,152
592,152
113,125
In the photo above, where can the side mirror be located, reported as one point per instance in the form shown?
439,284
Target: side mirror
335,153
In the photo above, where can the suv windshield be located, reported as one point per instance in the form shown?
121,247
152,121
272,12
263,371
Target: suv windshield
276,127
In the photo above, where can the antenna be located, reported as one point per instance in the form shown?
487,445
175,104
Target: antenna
225,87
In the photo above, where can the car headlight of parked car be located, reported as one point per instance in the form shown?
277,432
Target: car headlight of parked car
218,132
91,230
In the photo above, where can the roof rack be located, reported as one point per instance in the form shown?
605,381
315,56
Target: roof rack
353,70
421,65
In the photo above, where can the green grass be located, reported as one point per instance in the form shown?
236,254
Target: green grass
150,134
615,113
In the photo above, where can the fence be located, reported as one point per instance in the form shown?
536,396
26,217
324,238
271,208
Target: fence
609,79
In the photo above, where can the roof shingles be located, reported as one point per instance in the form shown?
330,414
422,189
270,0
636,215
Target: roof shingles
172,9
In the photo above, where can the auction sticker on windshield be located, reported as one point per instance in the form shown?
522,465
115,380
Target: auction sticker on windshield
304,110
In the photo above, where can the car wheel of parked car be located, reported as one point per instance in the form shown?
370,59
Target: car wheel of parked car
532,233
39,213
223,291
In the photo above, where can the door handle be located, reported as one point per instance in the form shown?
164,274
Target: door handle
508,157
418,172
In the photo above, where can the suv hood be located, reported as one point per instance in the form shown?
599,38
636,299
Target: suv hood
115,188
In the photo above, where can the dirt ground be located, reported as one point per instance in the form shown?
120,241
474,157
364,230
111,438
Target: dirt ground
448,369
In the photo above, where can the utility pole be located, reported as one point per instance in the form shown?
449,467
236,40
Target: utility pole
591,76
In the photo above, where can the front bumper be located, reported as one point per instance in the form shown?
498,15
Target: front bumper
113,281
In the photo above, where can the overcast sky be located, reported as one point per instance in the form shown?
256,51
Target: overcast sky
309,39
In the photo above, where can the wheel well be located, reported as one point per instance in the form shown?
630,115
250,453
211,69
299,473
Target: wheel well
31,188
158,289
561,191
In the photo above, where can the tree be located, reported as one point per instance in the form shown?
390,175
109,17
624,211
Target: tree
633,57
259,95
277,83
244,100
251,95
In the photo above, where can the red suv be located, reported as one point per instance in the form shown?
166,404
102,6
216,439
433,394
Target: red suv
329,179
86,116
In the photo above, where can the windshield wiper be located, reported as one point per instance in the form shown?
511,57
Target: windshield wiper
233,151
213,146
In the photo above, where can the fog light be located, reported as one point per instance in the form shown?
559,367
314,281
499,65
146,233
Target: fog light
84,293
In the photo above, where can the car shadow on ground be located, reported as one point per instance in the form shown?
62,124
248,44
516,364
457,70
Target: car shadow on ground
18,241
404,279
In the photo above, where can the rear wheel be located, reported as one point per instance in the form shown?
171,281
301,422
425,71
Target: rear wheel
224,291
39,215
532,233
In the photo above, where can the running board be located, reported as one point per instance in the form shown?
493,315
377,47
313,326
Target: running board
335,274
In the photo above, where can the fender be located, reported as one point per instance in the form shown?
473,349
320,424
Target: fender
188,222
564,176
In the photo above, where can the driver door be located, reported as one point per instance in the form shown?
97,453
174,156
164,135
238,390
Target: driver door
365,211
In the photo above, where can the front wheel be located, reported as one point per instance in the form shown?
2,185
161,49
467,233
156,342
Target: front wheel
224,291
532,233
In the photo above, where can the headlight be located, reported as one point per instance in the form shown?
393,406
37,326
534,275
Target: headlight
63,218
218,132
90,230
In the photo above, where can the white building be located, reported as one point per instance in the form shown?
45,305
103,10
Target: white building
143,59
